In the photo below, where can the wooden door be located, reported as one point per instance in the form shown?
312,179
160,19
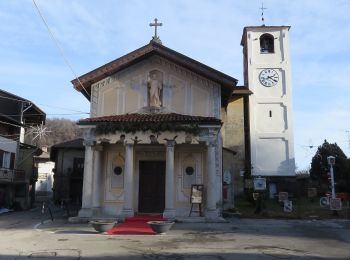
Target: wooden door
152,186
76,181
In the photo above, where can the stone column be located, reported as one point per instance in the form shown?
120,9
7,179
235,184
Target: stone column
211,211
97,181
169,211
128,209
85,211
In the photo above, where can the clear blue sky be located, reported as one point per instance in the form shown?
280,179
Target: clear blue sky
93,33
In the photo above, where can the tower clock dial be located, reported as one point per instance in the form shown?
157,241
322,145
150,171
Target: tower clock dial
268,77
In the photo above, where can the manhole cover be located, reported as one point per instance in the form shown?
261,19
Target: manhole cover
42,254
58,253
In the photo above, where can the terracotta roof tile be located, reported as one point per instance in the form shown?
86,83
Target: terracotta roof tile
138,117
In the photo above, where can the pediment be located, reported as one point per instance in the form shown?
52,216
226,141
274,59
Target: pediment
85,81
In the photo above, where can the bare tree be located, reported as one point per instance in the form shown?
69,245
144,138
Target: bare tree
60,130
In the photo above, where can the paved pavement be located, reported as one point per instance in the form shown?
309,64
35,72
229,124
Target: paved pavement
23,237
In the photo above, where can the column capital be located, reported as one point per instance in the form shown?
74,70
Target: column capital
89,142
98,148
170,143
211,143
128,145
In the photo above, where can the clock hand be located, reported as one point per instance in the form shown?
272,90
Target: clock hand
269,77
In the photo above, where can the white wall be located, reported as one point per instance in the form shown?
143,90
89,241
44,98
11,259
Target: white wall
45,177
183,91
271,115
8,145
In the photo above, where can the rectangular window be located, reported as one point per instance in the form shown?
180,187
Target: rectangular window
6,161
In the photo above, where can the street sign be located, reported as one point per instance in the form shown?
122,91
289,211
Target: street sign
324,202
335,204
288,206
282,196
259,184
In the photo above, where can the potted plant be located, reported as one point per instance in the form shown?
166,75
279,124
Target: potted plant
103,225
160,227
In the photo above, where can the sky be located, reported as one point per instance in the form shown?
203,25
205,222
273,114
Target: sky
92,33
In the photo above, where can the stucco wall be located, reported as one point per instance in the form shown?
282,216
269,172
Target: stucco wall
185,155
8,145
270,107
183,91
233,139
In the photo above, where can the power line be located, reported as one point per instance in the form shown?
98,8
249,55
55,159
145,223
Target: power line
66,114
59,47
68,109
63,108
6,123
15,99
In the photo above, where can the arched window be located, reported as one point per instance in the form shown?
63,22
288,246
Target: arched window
266,43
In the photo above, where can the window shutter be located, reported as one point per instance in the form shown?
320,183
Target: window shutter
12,163
1,157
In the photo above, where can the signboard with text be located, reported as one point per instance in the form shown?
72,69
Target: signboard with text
335,204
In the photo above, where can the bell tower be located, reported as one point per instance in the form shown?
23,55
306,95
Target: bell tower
267,74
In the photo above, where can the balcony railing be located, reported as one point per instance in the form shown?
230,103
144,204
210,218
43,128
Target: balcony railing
9,175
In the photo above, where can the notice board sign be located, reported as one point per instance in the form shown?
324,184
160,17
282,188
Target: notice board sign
196,198
335,204
287,206
282,196
196,194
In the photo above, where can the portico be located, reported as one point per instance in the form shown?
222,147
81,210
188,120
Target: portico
134,164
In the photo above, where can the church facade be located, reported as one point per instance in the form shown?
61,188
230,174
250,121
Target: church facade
160,123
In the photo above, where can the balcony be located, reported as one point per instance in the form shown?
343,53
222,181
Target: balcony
9,175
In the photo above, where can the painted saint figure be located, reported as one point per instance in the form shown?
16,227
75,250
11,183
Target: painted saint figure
155,88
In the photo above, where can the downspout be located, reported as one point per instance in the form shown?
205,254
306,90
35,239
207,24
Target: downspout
21,135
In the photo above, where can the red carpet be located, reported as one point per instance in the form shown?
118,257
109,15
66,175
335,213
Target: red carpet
136,225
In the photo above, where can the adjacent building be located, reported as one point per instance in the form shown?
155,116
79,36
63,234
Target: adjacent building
68,158
18,118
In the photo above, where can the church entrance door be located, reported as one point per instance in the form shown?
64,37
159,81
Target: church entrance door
152,187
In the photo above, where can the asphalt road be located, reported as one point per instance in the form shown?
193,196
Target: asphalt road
23,237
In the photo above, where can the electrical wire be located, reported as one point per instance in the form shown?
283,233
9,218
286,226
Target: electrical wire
6,123
15,99
59,48
63,108
70,114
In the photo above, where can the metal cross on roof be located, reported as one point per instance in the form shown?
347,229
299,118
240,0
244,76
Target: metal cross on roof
156,24
262,13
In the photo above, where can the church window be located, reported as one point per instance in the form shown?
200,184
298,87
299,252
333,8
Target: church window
118,170
266,43
189,170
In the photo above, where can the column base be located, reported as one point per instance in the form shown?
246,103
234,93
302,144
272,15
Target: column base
96,212
85,213
169,214
127,213
211,214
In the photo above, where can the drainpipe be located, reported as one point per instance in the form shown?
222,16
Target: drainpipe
21,136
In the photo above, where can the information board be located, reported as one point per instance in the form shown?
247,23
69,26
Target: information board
196,193
196,198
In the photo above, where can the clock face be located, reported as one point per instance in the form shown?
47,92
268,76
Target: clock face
268,77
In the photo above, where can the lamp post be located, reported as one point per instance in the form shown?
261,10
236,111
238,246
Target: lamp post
331,162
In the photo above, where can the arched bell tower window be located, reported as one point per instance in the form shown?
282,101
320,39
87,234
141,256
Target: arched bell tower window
267,43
